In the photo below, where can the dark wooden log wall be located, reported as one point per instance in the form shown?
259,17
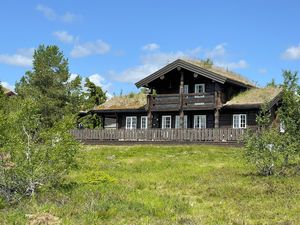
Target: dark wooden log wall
226,117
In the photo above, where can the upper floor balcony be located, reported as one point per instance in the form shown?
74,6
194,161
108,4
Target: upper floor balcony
174,102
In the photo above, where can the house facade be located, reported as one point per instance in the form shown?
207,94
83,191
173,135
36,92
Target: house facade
189,94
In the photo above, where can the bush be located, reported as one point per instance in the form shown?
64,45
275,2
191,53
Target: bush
270,151
33,156
264,150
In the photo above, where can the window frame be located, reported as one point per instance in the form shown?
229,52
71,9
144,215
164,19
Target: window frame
131,127
200,122
237,122
199,85
163,122
186,89
177,122
146,122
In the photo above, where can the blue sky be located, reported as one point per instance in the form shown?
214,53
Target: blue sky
116,43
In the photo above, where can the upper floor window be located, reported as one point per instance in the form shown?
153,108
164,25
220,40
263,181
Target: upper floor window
144,122
239,121
166,122
200,88
131,122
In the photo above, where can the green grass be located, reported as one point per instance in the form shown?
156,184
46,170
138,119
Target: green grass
164,185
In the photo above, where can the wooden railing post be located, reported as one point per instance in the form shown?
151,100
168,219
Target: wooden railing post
149,109
181,89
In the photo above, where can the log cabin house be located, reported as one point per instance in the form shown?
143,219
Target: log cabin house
188,94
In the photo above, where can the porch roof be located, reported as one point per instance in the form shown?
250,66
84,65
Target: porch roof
125,102
255,97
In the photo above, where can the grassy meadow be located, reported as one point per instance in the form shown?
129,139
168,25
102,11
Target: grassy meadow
195,184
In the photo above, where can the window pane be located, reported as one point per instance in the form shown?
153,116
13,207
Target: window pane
185,122
243,121
166,122
128,122
177,122
200,121
144,121
235,121
133,126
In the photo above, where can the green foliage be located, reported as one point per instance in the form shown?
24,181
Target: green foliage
270,151
208,62
1,91
48,84
265,151
272,83
95,177
289,113
33,156
90,121
161,184
95,95
36,147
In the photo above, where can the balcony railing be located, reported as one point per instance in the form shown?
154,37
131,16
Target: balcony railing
173,102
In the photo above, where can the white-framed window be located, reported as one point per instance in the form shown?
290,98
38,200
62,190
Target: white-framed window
186,89
199,88
144,122
177,122
239,121
166,122
131,122
199,121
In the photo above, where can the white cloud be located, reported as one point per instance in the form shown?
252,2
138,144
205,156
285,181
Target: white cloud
68,17
64,36
100,81
150,63
262,71
46,11
90,48
22,58
218,51
241,64
150,47
292,53
73,76
7,85
50,14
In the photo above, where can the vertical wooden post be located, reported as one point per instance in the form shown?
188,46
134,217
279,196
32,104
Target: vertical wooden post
117,121
217,118
218,105
149,109
102,121
181,89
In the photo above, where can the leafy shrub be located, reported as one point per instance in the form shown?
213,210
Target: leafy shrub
33,156
269,150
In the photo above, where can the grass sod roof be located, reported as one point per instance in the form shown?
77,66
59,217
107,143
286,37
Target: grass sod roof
255,96
130,101
221,71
